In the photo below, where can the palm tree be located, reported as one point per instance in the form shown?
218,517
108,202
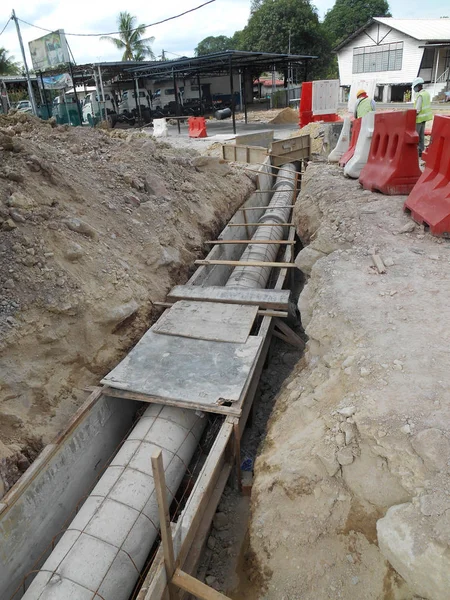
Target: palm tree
7,64
131,39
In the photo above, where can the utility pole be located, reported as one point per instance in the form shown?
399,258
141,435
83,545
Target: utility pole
30,87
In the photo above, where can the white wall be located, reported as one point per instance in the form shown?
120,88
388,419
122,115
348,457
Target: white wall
412,56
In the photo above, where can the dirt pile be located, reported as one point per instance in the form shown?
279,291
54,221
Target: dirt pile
93,228
355,468
287,115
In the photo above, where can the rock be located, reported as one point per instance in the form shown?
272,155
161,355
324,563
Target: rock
345,456
6,143
307,258
434,504
169,256
220,521
347,411
16,216
211,542
22,463
211,164
119,313
9,284
29,261
433,447
73,251
349,431
210,579
18,200
9,225
423,563
408,228
388,262
80,226
328,458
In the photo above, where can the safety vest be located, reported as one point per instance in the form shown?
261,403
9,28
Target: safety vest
364,107
425,112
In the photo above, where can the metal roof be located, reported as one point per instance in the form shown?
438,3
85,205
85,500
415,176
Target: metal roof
219,63
426,30
432,30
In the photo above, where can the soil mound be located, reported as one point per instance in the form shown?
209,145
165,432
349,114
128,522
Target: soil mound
94,227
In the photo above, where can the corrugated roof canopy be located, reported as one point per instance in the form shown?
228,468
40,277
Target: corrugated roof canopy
219,63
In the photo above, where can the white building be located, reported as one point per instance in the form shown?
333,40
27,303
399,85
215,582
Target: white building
386,55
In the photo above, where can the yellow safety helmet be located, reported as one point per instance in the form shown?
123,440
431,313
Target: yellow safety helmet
360,92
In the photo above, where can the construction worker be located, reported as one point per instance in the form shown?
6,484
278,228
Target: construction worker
364,104
422,104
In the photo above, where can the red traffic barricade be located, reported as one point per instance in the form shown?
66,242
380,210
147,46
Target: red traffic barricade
306,113
393,163
429,201
197,127
356,128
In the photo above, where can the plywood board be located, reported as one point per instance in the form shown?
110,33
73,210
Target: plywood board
208,321
185,370
276,299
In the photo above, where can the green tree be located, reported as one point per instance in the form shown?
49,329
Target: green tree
131,38
214,44
275,22
347,16
7,64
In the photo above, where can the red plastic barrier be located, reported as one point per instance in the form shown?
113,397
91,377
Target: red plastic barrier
429,202
356,128
393,163
306,113
197,127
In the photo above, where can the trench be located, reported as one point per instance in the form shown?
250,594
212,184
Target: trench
280,362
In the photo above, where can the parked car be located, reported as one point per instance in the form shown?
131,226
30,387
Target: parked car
24,106
92,106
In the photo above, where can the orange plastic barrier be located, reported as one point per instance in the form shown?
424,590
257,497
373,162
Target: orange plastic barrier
393,163
197,127
429,201
356,128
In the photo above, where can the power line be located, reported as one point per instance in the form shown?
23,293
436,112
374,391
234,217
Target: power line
118,32
6,25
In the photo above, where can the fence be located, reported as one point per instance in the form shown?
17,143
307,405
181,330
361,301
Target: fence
285,97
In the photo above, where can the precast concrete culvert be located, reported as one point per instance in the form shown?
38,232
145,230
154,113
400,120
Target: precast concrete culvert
103,551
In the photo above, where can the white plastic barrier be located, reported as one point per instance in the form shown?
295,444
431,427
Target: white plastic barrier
160,128
343,142
356,163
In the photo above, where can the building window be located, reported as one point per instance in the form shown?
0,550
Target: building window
372,59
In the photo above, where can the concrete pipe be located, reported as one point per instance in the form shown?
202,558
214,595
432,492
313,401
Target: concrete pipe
104,549
277,212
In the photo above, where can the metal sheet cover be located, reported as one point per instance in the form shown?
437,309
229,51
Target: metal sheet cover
185,369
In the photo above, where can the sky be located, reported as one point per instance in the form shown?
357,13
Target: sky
178,37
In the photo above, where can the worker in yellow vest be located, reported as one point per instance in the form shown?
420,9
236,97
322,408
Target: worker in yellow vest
364,104
422,105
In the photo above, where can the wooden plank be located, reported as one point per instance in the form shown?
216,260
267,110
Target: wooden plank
195,552
242,263
208,321
197,588
273,299
190,371
140,397
219,242
291,337
164,515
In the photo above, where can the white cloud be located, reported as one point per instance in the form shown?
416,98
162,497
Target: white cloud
180,36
